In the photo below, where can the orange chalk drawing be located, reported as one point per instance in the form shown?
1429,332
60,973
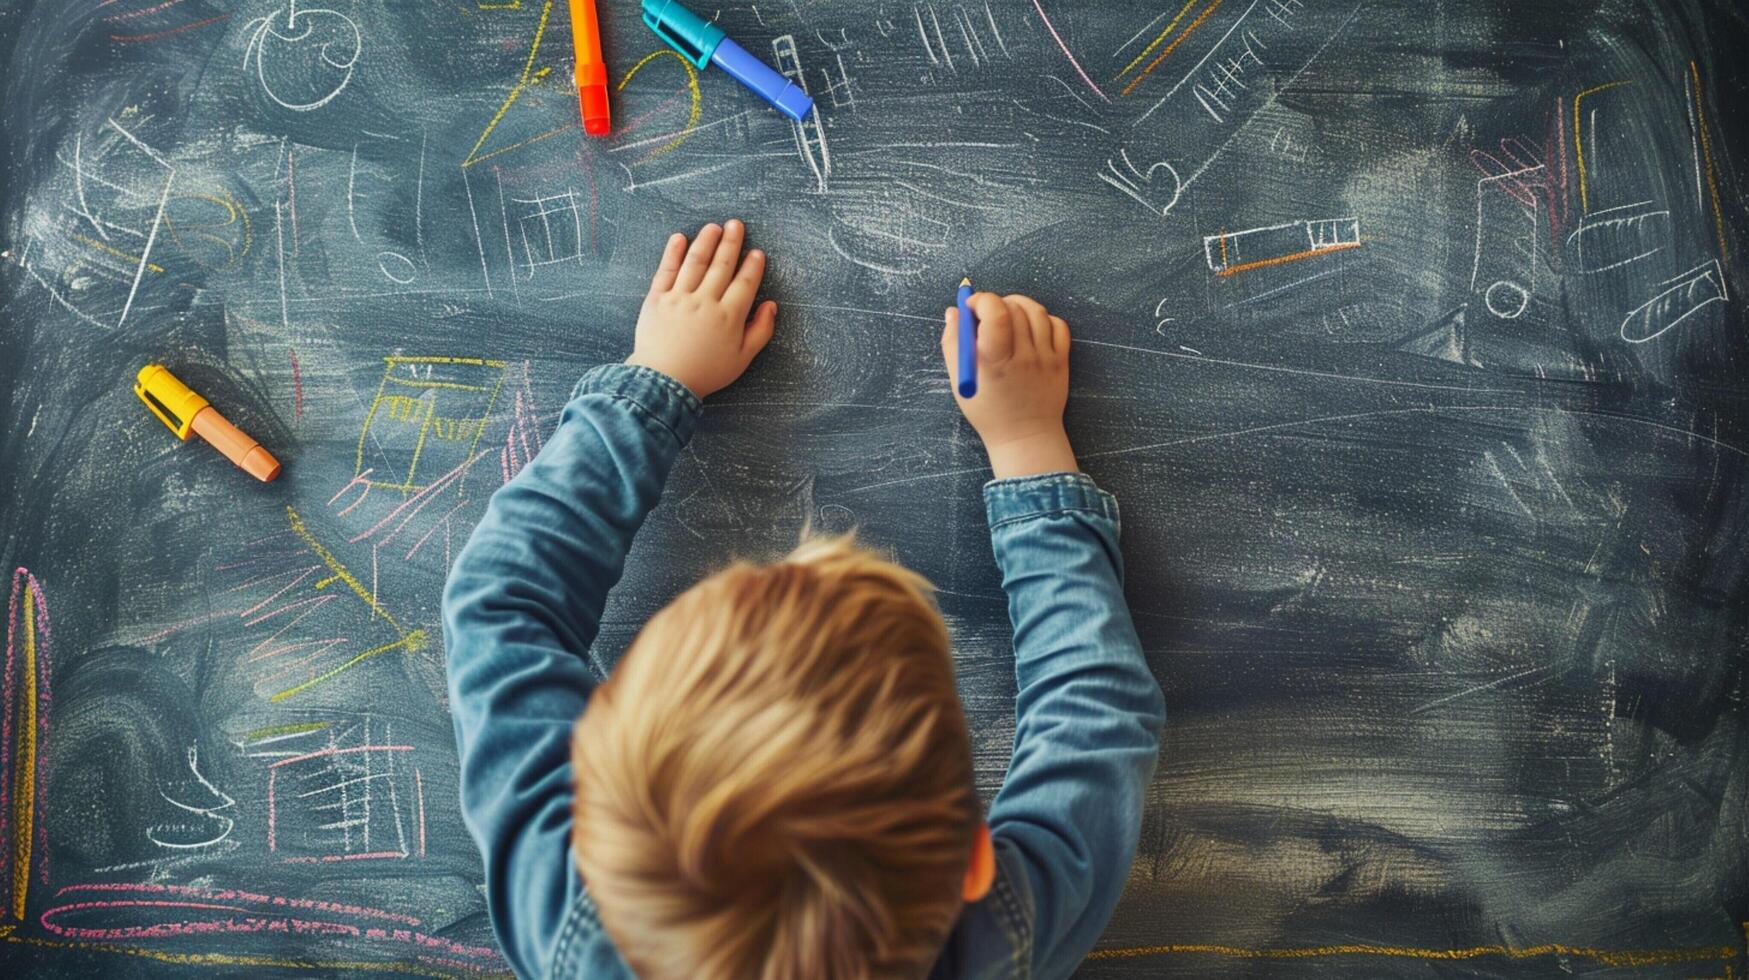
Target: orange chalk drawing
1707,149
1156,42
1280,259
1131,87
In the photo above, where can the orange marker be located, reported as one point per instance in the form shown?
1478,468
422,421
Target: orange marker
591,68
184,411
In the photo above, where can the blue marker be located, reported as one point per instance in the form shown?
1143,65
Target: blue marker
968,341
704,43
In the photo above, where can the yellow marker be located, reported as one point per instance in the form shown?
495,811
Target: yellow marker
178,407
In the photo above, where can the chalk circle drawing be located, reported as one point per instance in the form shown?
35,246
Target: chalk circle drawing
395,260
1681,298
320,44
1506,300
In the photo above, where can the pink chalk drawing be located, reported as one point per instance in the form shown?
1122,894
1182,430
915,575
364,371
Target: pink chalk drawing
24,728
159,911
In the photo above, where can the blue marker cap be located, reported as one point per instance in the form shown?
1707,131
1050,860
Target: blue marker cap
785,95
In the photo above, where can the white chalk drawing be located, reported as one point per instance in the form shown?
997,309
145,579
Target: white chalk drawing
1504,267
1681,298
322,35
1618,236
1235,251
181,837
1139,184
810,136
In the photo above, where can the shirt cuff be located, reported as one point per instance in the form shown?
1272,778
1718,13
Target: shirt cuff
661,398
1025,497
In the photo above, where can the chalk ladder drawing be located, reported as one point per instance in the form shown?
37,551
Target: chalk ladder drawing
301,46
810,135
1681,298
1232,252
428,410
24,726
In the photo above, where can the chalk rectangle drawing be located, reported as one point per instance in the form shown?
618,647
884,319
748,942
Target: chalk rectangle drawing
1232,252
428,416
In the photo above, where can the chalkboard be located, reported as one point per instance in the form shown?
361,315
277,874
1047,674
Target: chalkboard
1409,335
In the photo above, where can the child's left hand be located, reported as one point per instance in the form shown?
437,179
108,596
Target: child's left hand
694,326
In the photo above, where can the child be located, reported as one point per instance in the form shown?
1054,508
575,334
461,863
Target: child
776,779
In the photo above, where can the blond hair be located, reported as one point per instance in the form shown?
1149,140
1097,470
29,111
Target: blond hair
776,780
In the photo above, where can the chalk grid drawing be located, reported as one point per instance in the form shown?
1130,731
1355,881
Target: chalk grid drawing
100,243
312,61
1232,252
428,413
340,794
24,727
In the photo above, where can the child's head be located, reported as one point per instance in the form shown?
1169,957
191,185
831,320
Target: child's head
776,780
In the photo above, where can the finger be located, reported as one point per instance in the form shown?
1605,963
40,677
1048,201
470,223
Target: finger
760,330
722,268
1032,324
950,346
698,258
669,268
995,328
745,286
1059,336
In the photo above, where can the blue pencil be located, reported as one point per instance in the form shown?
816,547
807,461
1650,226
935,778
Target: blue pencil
968,341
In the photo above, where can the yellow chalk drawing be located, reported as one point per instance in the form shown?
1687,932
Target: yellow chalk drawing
235,215
412,641
340,574
527,142
1579,144
24,766
7,933
1156,42
1606,957
297,728
692,90
420,413
529,77
118,253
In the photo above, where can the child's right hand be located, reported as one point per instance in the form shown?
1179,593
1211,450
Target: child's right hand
1023,384
694,326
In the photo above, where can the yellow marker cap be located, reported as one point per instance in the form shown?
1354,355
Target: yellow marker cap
169,399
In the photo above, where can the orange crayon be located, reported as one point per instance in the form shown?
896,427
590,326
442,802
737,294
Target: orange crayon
178,407
591,68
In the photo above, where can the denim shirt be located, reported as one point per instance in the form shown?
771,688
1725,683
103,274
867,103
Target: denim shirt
523,604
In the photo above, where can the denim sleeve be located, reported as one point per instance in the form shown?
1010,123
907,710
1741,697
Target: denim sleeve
522,605
1088,712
